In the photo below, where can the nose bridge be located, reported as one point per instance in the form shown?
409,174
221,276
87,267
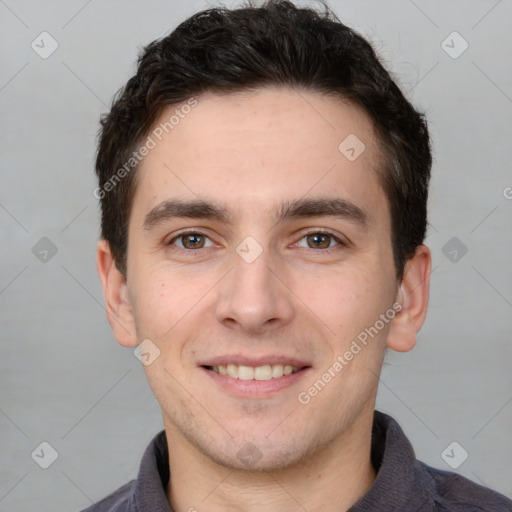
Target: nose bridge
253,269
252,297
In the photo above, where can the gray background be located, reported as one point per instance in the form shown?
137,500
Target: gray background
66,381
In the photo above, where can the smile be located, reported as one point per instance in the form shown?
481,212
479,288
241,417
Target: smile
264,372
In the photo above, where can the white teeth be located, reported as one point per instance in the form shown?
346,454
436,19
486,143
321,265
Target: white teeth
245,372
265,372
233,371
277,370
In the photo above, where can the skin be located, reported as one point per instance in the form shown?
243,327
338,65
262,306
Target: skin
251,152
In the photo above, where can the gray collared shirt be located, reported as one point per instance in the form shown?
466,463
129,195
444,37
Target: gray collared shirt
402,484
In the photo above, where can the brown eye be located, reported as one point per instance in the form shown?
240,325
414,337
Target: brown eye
190,240
193,241
319,240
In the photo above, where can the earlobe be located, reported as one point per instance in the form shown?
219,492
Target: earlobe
118,307
413,296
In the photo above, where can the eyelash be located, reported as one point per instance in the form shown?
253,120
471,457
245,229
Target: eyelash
314,232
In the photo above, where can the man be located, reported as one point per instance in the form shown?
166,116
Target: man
263,185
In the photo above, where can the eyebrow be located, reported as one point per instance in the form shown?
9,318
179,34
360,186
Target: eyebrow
298,209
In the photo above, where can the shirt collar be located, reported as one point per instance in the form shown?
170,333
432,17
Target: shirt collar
149,491
401,482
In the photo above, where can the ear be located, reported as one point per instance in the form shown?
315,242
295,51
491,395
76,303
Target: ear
118,307
413,294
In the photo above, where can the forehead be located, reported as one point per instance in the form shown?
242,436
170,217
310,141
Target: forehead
267,146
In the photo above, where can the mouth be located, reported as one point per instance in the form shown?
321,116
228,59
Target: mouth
255,376
263,372
258,380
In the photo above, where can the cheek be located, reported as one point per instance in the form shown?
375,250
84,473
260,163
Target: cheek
348,302
158,305
167,300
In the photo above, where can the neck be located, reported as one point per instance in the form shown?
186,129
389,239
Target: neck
330,480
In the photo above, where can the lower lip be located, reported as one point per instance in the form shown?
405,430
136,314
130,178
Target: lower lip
255,388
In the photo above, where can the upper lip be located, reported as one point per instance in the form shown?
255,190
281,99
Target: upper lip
241,360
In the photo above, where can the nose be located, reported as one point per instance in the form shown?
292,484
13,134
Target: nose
254,297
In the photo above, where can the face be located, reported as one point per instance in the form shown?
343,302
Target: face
256,248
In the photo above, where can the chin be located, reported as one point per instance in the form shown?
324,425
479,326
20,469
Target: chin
258,463
263,456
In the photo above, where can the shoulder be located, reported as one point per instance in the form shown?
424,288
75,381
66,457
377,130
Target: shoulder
455,493
148,489
114,502
405,483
